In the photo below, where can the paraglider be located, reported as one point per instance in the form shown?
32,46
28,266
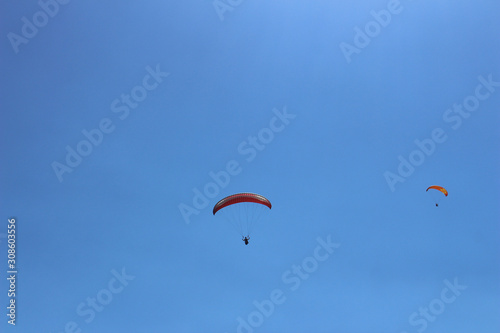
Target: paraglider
438,188
242,211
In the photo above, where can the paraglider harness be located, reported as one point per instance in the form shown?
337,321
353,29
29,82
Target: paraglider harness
246,239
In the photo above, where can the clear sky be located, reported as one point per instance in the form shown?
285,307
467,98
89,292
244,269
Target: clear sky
124,122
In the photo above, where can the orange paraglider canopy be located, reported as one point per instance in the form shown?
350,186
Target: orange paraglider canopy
439,188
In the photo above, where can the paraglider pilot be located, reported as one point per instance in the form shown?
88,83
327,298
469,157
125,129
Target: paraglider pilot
246,239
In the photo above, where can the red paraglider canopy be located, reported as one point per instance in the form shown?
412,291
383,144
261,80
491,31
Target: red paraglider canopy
241,197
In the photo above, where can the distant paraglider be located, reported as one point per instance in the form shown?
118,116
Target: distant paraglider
438,188
242,211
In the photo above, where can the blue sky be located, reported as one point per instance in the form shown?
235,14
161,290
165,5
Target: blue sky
115,114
